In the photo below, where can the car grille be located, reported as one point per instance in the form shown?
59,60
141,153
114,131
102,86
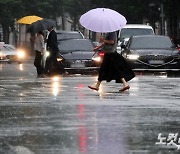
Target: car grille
164,58
156,57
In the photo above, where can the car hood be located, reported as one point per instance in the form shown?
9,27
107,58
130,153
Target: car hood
10,52
155,51
80,55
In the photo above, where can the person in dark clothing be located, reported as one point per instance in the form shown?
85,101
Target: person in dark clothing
114,66
52,47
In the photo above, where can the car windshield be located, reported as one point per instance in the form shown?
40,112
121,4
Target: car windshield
128,32
62,36
75,45
151,43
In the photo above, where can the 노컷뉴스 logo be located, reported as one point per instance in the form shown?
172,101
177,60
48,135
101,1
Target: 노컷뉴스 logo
171,141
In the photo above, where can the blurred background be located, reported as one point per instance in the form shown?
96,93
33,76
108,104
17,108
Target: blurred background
162,15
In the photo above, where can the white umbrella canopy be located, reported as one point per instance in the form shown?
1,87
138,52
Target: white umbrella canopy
103,20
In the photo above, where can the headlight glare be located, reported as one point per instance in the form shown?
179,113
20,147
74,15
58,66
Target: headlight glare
96,59
47,53
59,59
2,54
21,54
132,57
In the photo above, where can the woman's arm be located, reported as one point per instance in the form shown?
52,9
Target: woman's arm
109,41
98,47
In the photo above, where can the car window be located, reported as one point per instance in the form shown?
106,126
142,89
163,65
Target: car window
128,32
75,45
151,42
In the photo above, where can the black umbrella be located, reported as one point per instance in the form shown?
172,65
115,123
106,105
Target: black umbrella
41,25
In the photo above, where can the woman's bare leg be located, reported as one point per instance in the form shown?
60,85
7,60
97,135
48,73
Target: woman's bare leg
98,84
96,87
125,85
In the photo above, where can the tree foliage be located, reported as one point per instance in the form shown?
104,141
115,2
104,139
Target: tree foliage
134,11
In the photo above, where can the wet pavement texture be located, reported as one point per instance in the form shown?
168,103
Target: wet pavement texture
60,115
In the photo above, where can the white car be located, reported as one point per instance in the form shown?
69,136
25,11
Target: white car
132,30
8,53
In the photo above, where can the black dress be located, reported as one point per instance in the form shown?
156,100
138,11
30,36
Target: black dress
115,67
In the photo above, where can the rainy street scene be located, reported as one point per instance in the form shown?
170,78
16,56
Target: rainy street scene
89,77
61,115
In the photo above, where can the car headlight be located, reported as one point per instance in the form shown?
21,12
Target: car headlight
21,54
47,53
96,59
2,54
132,57
59,59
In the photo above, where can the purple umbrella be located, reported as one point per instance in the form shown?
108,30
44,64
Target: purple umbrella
102,20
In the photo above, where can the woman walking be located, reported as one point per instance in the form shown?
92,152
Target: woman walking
39,49
114,66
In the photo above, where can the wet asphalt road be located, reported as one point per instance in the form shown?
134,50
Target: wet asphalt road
60,115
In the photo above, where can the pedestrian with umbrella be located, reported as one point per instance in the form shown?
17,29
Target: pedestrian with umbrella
114,66
39,47
52,44
52,47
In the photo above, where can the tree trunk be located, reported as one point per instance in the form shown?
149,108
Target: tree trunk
63,23
75,23
5,33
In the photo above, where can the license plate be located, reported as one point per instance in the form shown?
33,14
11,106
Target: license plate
77,65
156,61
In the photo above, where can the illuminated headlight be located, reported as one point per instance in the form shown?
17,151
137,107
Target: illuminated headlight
97,59
21,54
132,57
1,54
59,59
47,53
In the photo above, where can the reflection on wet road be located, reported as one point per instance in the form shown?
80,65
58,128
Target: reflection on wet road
60,115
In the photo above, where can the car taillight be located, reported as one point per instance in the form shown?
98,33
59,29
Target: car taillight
179,49
101,53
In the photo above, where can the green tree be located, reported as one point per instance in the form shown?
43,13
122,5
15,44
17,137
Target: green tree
9,11
76,8
134,11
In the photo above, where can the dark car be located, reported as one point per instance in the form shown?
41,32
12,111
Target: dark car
152,53
63,35
76,55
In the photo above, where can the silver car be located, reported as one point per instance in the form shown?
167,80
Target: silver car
8,53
